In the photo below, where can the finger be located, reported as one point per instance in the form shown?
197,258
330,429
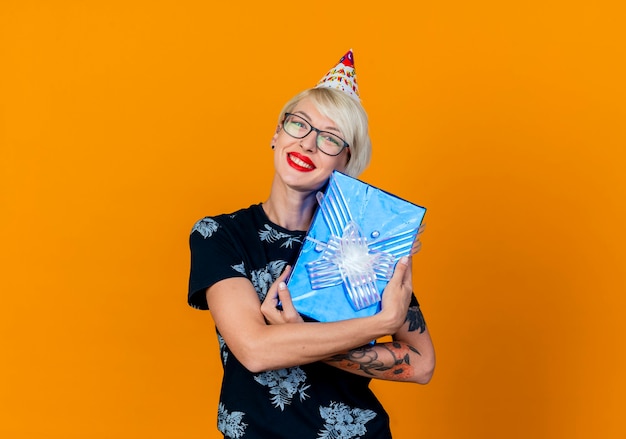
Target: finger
407,279
268,307
417,244
400,271
280,281
289,311
285,274
271,298
272,293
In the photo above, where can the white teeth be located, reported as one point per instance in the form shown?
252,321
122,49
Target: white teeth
299,162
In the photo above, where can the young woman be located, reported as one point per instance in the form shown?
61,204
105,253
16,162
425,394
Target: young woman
284,377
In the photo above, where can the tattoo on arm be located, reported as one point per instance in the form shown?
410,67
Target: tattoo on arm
367,360
416,319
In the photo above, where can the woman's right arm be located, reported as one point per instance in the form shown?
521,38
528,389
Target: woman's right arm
259,346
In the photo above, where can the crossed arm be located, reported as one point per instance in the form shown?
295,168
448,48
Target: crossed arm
408,357
263,337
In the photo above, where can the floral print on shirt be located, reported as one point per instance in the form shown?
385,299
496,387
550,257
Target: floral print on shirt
343,422
230,424
284,384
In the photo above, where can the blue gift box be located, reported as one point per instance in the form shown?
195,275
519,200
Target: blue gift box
357,235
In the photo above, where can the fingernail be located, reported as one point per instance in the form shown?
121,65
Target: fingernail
282,286
404,260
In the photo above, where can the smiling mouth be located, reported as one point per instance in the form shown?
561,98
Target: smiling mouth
299,164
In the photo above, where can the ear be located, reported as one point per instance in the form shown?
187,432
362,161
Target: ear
275,134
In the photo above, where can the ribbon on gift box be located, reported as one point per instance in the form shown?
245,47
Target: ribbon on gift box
349,257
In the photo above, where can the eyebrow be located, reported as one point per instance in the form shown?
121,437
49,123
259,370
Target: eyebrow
308,118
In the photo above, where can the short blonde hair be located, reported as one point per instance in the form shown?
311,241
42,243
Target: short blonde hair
350,118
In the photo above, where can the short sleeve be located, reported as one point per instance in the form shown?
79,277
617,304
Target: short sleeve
214,257
414,301
415,316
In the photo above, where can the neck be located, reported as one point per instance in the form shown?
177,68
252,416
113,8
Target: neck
290,208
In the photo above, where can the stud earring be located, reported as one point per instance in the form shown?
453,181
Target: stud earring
273,146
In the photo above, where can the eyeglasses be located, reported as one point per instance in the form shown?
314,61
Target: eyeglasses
299,128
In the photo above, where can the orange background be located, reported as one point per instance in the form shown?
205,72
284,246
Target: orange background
123,122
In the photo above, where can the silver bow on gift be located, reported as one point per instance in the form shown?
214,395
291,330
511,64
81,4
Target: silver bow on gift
349,258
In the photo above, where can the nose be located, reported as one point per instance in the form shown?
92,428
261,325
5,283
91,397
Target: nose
309,142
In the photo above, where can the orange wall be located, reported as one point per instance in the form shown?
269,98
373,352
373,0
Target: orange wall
122,122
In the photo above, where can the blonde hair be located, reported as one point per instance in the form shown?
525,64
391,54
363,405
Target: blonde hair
350,118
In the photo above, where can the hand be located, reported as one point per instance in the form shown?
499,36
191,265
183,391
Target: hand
397,295
278,293
417,244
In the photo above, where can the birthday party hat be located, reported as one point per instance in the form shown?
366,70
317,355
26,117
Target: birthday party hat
342,76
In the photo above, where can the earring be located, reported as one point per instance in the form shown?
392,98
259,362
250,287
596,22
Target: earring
273,146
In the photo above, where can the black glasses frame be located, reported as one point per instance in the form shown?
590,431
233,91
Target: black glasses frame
317,131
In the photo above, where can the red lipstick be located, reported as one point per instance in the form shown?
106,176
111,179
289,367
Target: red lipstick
300,162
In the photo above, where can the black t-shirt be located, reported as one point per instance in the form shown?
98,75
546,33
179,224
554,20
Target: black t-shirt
312,401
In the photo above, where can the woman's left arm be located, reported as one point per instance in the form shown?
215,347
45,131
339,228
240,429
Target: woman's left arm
409,357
